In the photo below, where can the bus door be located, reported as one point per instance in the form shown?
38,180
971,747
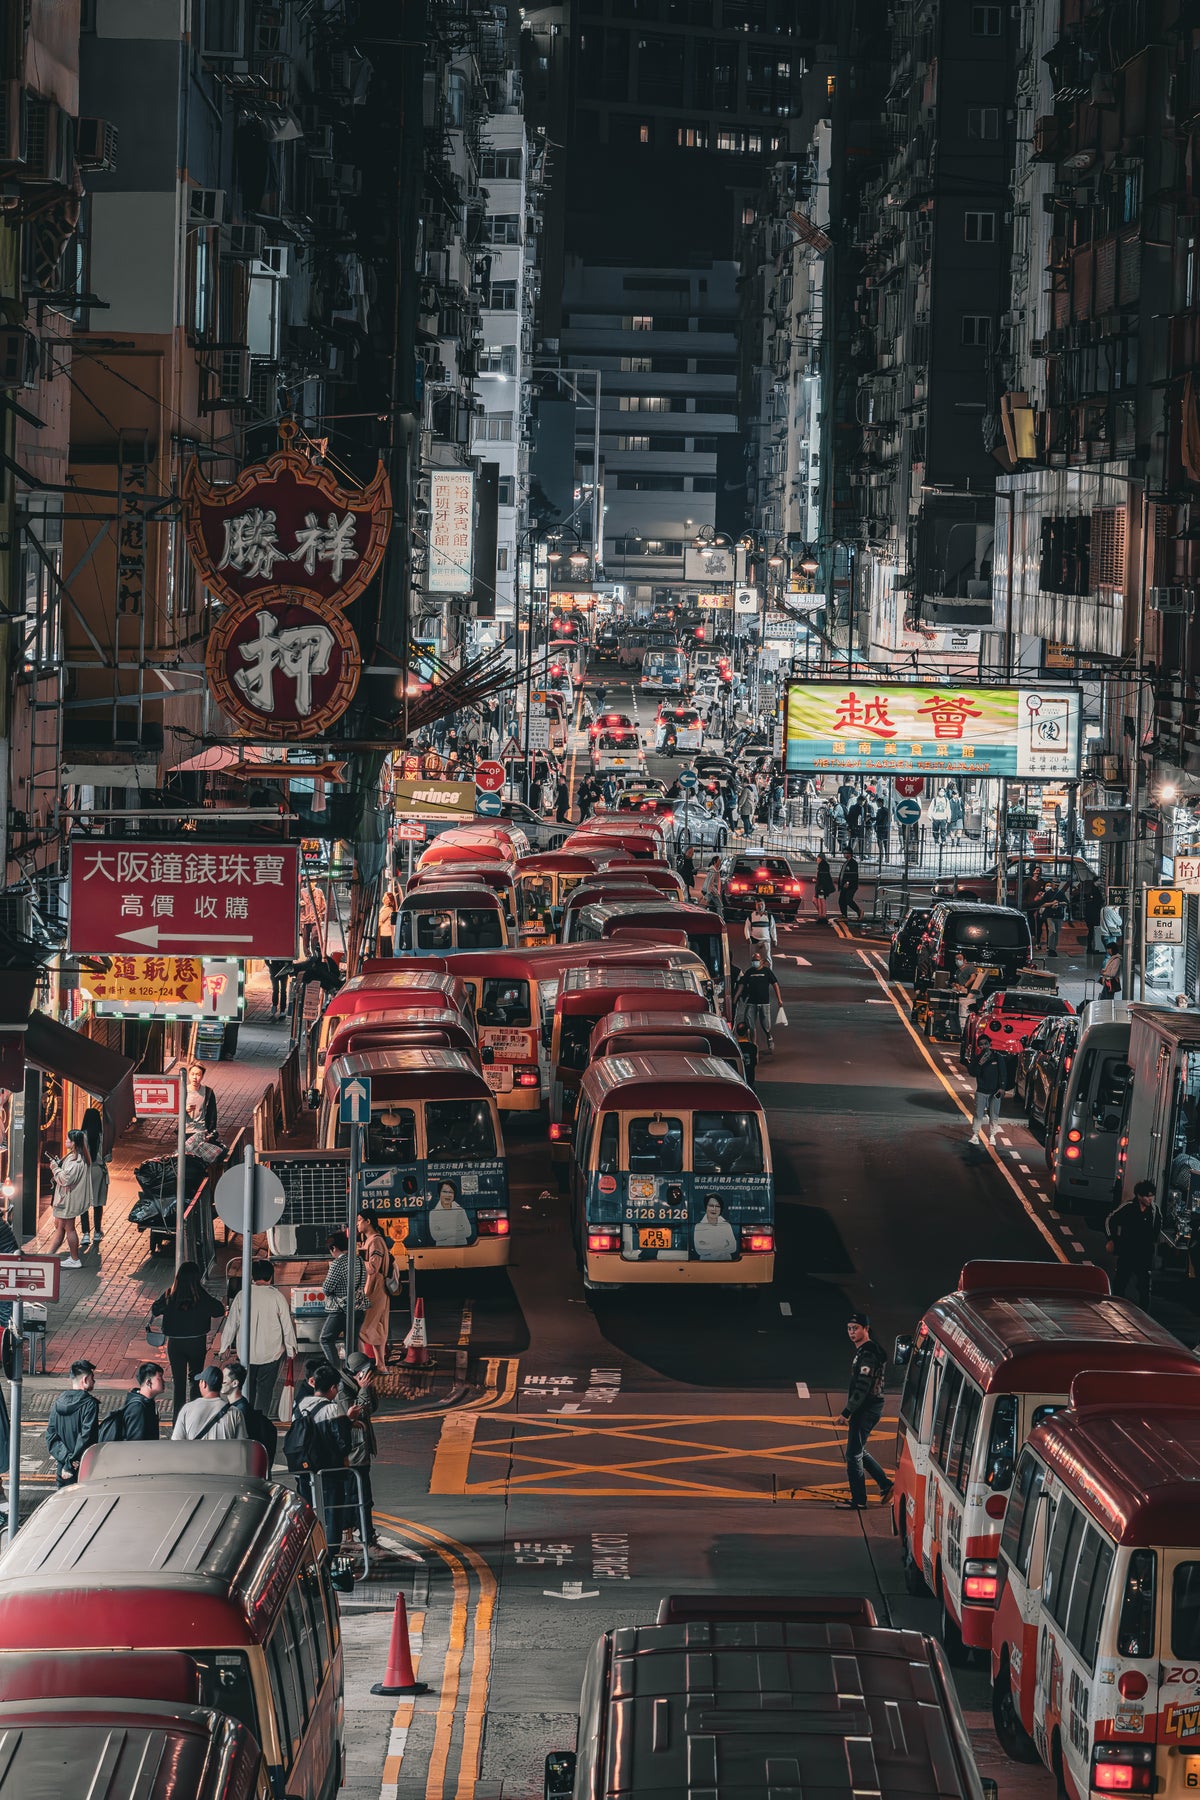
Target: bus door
925,1365
507,1018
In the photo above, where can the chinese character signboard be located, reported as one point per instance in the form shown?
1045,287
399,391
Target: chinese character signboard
131,988
283,665
1030,733
451,531
1187,874
133,896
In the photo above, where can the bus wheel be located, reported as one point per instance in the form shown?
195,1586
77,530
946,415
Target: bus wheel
957,1653
914,1579
1015,1741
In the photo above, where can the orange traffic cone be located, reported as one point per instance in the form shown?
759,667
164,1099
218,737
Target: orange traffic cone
416,1343
399,1677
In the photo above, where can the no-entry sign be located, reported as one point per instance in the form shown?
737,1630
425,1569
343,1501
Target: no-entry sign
198,900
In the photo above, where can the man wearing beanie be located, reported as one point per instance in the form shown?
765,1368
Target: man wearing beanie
863,1411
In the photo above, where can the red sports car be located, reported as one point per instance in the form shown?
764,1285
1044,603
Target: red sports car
1006,1020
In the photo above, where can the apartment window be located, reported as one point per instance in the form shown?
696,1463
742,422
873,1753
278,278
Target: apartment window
505,491
983,121
704,484
635,365
502,559
645,403
692,137
638,322
979,227
456,99
495,428
985,21
505,228
705,446
498,359
748,215
830,86
651,484
634,440
643,134
740,140
656,284
500,165
977,329
502,296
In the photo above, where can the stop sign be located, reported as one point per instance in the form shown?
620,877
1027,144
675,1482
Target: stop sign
489,776
911,786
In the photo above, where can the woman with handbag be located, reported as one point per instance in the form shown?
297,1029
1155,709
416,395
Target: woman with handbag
72,1197
376,1258
188,1312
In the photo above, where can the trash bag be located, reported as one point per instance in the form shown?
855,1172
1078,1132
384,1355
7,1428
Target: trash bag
156,1176
153,1211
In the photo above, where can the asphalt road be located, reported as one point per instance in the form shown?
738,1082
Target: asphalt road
641,1444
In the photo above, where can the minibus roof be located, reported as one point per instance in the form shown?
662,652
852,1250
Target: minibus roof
664,1080
848,1707
123,1551
387,976
462,874
621,975
1106,1012
674,915
565,862
1128,1449
453,893
1030,1327
126,1750
649,1020
407,1075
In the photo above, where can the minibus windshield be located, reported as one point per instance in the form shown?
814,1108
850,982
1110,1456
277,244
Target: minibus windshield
726,1143
459,1130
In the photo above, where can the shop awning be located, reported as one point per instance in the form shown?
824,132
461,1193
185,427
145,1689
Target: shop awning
16,1000
60,1051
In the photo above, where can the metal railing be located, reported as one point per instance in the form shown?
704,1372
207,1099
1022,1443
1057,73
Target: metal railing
311,1487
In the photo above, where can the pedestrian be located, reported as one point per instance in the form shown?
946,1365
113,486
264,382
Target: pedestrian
562,804
1091,906
687,868
1112,925
749,1049
92,1127
939,818
755,987
1110,973
760,927
188,1312
201,1101
74,1424
746,802
822,885
376,1260
808,794
312,914
847,887
954,801
362,1399
854,821
137,1421
212,1414
279,968
863,1411
1051,910
710,893
584,796
336,1282
318,1442
385,935
272,1333
1131,1232
883,827
259,1427
72,1197
991,1079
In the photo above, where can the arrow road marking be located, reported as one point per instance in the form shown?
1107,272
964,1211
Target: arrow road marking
571,1590
153,937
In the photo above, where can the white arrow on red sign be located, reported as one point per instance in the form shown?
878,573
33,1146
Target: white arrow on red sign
152,936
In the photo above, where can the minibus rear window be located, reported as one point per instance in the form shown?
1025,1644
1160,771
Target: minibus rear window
1185,1612
726,1143
707,946
480,929
1135,1636
458,1130
392,1136
226,1685
657,1151
1002,1444
504,1002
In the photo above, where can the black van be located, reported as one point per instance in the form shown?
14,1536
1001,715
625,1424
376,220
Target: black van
997,935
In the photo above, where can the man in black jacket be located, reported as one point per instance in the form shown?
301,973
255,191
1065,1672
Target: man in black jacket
140,1412
863,1411
1132,1231
755,987
74,1423
991,1079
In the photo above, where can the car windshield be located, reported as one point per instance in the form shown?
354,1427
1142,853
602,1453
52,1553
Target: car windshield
1033,1006
456,1130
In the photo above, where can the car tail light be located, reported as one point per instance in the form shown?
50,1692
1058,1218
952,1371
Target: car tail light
794,887
1067,1061
1074,1136
602,1242
980,1583
1122,1769
757,1241
1072,1153
492,1224
527,1077
560,1134
739,887
607,1184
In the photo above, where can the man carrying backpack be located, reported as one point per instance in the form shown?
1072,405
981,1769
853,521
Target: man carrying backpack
137,1421
318,1441
74,1424
259,1428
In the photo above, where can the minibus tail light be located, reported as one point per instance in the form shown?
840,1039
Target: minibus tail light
761,1242
560,1134
492,1224
1122,1769
602,1242
980,1583
1074,1136
527,1077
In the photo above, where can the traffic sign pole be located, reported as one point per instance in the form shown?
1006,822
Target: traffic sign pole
180,1174
247,1255
349,1343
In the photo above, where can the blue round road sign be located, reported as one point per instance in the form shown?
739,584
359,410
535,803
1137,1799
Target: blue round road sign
908,811
688,778
487,804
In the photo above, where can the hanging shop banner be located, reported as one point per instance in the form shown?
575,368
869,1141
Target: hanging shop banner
283,665
286,522
132,896
1028,733
745,600
711,562
451,531
132,989
426,799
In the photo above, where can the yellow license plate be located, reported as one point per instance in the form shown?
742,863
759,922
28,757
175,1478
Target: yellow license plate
1191,1771
765,890
654,1240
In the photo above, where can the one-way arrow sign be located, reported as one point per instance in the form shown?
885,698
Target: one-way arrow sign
571,1590
153,935
354,1100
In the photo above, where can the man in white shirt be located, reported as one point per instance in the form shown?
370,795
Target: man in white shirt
210,1416
760,928
272,1334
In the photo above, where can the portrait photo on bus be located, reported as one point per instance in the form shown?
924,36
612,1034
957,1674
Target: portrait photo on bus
713,1238
448,1222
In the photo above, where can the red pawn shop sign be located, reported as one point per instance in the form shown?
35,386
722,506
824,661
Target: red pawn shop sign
135,895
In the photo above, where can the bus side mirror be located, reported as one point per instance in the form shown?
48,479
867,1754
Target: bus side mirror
559,1781
902,1351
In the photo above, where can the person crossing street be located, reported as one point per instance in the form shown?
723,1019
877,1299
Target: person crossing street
863,1411
755,988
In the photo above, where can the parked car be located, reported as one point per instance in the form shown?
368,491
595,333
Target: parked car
543,834
698,830
1071,871
1007,1020
902,956
1042,1069
745,879
996,935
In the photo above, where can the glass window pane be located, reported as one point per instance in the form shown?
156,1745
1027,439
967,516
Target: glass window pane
1081,1591
609,1134
1135,1634
1185,1612
1021,1503
434,930
962,1447
459,1129
914,1382
392,1136
726,1143
1069,1526
655,1146
1090,1638
944,1417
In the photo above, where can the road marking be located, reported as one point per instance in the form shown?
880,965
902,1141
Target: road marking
402,1718
785,1307
1023,1200
802,1390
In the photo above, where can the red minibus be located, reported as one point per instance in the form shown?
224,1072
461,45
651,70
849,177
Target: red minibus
988,1363
431,1027
474,843
386,986
127,1750
543,883
495,875
706,931
693,1033
641,844
1096,1639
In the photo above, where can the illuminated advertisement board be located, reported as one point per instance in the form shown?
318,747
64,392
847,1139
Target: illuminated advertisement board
1030,733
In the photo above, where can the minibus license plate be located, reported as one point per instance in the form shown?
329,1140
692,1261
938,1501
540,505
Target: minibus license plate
654,1240
1191,1771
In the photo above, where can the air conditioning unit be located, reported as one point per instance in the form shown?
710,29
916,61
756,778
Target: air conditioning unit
50,142
14,123
1173,599
245,242
1037,346
275,260
206,206
19,357
96,145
